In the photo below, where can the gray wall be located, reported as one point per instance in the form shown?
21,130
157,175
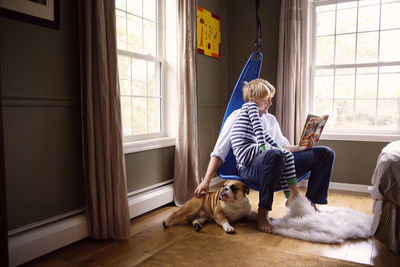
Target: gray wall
213,84
40,84
354,161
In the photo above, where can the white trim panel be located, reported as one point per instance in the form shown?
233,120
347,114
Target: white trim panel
144,145
146,202
28,246
362,188
362,137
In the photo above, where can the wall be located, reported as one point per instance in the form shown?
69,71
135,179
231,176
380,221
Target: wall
242,33
354,161
41,104
213,84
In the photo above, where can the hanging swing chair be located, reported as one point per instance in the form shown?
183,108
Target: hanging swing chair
250,72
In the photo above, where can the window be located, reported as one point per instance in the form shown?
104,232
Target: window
141,62
355,65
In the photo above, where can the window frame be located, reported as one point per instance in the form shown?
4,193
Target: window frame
344,134
147,139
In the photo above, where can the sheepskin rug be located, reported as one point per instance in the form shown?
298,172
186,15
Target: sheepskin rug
330,225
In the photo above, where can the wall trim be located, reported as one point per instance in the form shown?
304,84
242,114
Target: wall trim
38,101
46,237
362,188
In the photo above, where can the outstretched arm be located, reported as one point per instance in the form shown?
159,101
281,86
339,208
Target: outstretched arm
212,168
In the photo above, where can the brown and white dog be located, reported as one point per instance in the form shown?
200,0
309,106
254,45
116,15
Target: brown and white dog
225,206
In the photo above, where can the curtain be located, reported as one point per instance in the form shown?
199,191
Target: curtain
187,155
292,96
103,159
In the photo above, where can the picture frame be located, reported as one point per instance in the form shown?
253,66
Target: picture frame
41,12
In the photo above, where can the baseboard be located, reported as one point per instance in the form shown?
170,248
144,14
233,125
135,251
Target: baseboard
349,187
38,241
147,201
35,243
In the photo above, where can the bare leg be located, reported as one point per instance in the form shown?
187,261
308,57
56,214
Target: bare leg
263,223
315,207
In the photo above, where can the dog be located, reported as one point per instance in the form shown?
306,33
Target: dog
224,206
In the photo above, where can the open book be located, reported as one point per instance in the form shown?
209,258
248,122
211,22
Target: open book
314,124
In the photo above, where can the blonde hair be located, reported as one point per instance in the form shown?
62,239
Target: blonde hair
257,88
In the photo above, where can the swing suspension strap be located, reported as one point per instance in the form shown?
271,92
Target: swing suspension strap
257,42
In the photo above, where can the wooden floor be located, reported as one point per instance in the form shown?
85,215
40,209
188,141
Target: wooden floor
148,237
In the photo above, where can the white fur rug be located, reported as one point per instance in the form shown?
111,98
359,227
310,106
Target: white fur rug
330,225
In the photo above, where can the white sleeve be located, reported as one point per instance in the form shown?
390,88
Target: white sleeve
223,144
279,138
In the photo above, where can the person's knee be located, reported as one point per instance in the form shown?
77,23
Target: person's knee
276,156
330,153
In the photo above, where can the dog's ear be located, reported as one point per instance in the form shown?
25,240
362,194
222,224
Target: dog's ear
246,189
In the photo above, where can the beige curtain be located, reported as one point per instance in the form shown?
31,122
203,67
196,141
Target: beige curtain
103,160
292,96
187,156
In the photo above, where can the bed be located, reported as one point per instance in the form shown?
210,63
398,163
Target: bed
385,191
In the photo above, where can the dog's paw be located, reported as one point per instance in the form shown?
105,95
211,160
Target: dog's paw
197,227
228,228
165,225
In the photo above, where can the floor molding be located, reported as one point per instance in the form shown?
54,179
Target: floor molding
31,244
349,187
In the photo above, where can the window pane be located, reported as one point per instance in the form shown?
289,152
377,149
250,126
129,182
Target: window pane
323,84
365,111
139,107
138,77
135,7
344,83
323,107
126,114
154,115
343,113
325,20
346,17
389,114
368,16
149,45
325,49
134,34
390,16
389,82
121,29
124,69
120,4
367,82
345,49
149,9
153,78
367,47
389,47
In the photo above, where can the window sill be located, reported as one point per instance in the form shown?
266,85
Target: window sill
362,137
144,145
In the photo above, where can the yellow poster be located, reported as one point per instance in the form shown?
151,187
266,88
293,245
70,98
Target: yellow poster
208,33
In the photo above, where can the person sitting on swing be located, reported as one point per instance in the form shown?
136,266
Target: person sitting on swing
264,163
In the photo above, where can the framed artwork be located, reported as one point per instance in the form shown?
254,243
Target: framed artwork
41,12
208,33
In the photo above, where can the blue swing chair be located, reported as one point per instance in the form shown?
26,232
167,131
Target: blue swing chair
250,72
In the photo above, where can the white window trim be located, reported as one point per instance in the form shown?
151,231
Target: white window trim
345,134
149,144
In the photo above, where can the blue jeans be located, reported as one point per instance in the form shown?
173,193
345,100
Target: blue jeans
266,170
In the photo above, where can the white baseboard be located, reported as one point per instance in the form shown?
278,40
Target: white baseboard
40,240
147,201
35,243
349,187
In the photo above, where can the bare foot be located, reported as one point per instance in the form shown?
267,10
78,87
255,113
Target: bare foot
315,207
263,223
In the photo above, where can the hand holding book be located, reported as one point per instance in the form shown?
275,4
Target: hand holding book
312,128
